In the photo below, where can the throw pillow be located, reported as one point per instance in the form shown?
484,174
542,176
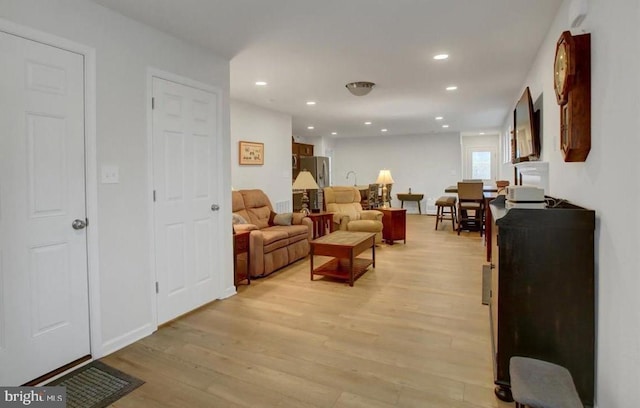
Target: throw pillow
283,219
237,219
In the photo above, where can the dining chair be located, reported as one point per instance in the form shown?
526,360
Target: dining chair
470,207
373,197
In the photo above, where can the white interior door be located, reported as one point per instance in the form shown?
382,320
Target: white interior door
44,311
184,162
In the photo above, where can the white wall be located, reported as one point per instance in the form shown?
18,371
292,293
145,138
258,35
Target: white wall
255,124
425,163
124,51
607,182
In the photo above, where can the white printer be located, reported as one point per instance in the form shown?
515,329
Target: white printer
524,197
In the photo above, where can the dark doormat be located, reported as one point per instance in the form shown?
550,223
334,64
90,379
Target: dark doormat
96,385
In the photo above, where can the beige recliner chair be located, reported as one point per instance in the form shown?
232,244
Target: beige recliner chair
348,215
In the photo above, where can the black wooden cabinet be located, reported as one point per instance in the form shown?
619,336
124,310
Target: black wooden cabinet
542,296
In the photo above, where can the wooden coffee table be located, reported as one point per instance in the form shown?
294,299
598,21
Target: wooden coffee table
343,246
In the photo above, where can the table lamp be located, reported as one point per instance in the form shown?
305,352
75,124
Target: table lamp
305,182
384,178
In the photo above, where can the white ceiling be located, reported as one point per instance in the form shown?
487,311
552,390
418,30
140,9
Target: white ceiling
309,49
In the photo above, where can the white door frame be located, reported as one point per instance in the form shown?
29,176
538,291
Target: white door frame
469,143
467,160
91,178
222,236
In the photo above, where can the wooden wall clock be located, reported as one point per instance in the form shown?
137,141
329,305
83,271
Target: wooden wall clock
572,84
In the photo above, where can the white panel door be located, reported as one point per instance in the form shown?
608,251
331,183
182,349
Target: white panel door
185,135
44,311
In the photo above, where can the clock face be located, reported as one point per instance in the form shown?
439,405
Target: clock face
561,71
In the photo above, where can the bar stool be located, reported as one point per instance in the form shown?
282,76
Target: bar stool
540,384
446,202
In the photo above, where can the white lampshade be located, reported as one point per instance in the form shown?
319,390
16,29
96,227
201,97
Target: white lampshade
384,177
305,181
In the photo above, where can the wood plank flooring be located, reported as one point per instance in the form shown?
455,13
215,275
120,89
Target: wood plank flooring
411,333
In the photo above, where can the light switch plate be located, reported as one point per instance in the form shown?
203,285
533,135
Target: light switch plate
110,174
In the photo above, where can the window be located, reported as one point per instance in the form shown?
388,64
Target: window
481,165
480,157
506,146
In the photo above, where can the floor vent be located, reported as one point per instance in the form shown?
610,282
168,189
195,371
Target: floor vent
486,284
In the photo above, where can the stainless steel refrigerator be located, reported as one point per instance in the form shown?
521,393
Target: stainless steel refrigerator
319,167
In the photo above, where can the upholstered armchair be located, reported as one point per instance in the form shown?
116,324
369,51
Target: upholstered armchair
348,215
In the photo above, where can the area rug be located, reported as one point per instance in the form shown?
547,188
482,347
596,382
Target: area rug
96,385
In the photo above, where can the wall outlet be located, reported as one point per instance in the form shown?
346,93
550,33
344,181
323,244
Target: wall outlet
110,175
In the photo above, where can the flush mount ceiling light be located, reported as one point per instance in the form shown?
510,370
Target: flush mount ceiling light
360,88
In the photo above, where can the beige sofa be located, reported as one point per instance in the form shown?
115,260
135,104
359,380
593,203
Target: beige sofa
271,246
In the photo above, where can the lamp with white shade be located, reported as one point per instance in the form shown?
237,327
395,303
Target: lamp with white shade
384,178
305,182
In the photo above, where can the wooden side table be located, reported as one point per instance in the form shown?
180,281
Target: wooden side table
410,197
394,224
241,246
322,222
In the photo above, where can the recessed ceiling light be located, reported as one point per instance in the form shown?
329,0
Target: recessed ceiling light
383,130
261,83
439,118
334,133
311,103
310,127
441,57
452,88
482,133
367,123
445,126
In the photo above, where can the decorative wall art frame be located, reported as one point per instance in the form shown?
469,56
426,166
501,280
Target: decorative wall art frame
251,153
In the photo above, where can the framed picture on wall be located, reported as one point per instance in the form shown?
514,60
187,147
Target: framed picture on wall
251,153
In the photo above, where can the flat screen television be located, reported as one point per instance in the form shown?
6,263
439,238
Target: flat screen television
526,137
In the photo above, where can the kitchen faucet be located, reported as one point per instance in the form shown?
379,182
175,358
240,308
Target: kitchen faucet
355,177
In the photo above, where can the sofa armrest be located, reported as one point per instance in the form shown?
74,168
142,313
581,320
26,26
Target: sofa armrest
371,215
256,249
244,227
307,221
341,220
297,218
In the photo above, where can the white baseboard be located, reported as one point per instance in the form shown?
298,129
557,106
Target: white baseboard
126,339
228,292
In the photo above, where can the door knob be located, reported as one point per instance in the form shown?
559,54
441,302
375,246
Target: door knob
215,207
78,224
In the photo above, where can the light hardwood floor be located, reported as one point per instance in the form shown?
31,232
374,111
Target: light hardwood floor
411,333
